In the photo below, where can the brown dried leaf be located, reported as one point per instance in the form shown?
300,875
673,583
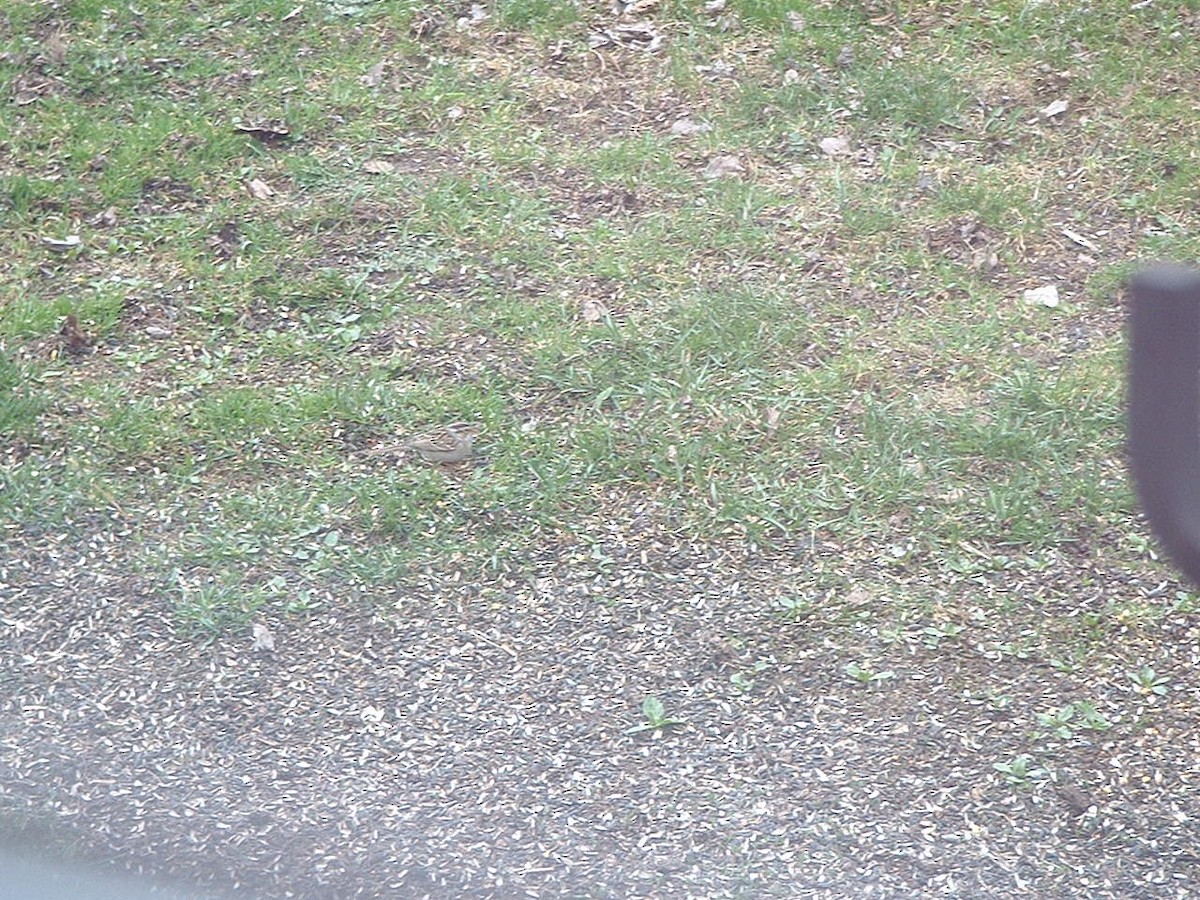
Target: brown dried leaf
425,25
263,639
1082,241
1046,295
105,219
859,597
29,87
984,259
635,36
379,167
54,48
1057,108
685,126
631,8
478,15
835,147
374,76
268,132
772,418
259,189
593,310
63,245
724,167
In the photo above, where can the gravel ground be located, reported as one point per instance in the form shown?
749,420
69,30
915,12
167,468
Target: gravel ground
468,738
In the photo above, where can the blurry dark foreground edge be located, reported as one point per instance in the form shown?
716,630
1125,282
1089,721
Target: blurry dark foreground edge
1164,407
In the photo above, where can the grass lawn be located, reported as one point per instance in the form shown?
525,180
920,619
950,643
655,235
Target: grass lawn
794,521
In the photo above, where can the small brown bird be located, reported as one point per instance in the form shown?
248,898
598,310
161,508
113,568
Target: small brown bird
449,444
1076,799
74,339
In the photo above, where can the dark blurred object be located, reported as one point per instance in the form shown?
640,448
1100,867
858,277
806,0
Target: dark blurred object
1164,407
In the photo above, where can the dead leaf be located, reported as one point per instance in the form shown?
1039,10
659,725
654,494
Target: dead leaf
29,87
631,8
1079,239
714,6
374,76
685,126
984,259
55,49
295,12
158,332
593,310
268,132
1047,296
63,245
263,639
635,36
718,70
835,147
772,420
424,26
796,21
479,14
1057,108
74,339
104,219
259,189
379,167
859,597
724,167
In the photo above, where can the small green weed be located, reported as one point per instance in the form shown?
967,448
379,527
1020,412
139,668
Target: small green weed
656,717
934,635
1148,683
1021,770
1064,722
794,608
863,673
743,682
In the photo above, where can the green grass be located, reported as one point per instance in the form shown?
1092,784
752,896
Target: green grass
806,349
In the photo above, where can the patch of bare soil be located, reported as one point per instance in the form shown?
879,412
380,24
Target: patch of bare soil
465,736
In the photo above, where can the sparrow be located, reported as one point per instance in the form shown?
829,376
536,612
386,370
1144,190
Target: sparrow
1076,799
449,444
